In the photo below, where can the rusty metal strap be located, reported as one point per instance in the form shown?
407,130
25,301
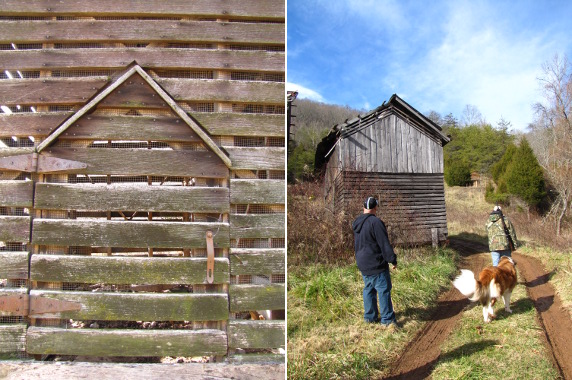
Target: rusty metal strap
29,305
210,257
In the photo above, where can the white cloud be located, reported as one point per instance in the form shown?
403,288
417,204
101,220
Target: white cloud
304,92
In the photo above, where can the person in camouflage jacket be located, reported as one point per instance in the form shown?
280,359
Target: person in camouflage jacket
500,243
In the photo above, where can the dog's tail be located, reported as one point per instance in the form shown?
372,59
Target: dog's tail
469,286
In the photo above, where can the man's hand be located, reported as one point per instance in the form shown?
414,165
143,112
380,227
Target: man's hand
394,267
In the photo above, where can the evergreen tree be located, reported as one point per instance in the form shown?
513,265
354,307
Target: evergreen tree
499,168
524,176
457,173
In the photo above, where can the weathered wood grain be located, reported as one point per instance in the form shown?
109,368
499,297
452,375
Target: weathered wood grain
257,226
129,234
131,196
95,342
257,297
136,30
30,124
15,229
126,270
257,158
12,338
272,9
257,261
149,58
34,91
134,92
14,265
177,163
232,124
16,193
254,191
137,306
256,334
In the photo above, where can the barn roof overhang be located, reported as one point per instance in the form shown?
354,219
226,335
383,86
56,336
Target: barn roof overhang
133,70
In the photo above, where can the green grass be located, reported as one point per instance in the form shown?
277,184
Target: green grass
327,337
510,347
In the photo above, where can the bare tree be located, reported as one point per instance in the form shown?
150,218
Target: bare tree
472,116
553,132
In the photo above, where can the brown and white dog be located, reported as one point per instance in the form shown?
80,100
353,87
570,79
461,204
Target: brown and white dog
493,283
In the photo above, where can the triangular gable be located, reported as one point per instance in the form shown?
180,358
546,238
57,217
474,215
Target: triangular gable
102,98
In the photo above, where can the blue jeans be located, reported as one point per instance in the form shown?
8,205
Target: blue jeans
378,285
496,255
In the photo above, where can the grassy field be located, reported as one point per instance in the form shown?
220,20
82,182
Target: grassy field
328,340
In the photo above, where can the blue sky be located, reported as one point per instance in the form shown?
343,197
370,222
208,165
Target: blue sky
436,55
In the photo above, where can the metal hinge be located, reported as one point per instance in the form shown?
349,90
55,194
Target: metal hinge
29,305
210,257
32,162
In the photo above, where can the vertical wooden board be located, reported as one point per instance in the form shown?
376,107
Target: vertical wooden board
257,297
256,334
15,229
16,193
12,339
103,343
14,265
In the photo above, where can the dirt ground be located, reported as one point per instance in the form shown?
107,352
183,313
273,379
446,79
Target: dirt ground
423,352
109,371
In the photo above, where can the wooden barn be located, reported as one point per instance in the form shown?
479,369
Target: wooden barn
142,179
396,154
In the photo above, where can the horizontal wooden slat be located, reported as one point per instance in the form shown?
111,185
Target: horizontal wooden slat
256,334
9,152
138,30
16,193
257,158
134,197
94,342
14,265
12,338
126,270
30,124
149,58
134,234
137,306
15,229
252,191
37,91
213,8
257,226
257,297
144,128
256,359
257,261
13,302
177,163
232,124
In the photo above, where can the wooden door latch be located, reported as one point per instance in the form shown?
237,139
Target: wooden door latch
210,257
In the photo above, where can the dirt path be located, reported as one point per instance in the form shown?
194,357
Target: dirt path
422,353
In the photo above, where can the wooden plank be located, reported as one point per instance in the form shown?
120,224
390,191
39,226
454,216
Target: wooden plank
257,226
13,338
131,196
16,193
254,191
55,90
256,334
13,302
224,90
128,234
232,124
136,306
256,359
14,265
96,342
133,92
128,161
257,261
174,31
257,297
126,270
15,229
150,58
257,158
143,128
30,124
203,8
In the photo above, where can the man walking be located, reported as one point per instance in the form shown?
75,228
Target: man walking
502,236
373,254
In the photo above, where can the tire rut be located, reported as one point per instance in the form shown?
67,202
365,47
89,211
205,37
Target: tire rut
422,353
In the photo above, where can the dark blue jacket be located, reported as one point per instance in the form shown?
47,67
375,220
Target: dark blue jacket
372,249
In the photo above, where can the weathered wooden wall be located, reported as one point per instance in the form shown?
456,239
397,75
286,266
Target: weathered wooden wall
132,222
